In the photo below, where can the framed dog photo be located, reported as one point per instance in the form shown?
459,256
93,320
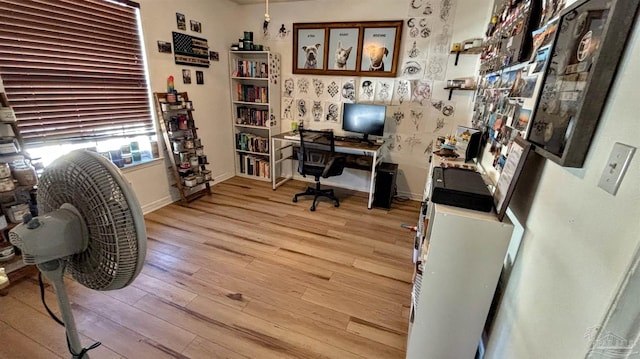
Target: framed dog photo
343,50
309,54
380,49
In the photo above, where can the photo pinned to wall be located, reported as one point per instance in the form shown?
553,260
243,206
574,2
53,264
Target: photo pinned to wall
302,109
529,86
402,92
416,50
164,47
417,117
318,88
214,56
524,116
436,67
287,108
541,59
186,76
384,92
309,53
181,21
348,90
317,111
199,77
332,112
196,26
421,93
413,69
367,90
288,87
421,7
302,87
380,50
333,89
343,45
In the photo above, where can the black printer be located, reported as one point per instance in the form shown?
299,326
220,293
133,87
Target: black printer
460,188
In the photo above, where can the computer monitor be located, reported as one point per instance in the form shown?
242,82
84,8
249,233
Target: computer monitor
362,118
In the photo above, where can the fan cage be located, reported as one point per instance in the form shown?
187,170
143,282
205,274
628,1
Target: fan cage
115,252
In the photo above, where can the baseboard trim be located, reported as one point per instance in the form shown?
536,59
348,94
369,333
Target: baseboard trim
150,207
411,196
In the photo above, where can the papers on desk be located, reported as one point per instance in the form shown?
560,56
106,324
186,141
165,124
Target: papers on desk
292,137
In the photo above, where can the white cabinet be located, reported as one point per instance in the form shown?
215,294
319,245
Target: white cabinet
255,107
461,258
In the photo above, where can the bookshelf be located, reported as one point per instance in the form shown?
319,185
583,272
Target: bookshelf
184,147
255,107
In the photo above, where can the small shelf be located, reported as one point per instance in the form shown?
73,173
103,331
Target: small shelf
266,154
251,126
250,103
470,51
250,78
451,89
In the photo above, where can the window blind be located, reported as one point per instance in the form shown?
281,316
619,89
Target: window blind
73,70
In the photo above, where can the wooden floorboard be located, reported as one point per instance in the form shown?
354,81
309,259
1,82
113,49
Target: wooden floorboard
243,273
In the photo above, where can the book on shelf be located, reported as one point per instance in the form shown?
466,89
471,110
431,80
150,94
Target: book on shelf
251,116
255,166
256,69
251,142
252,93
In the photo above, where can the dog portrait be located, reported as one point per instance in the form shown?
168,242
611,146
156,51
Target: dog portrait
311,56
379,50
343,44
310,49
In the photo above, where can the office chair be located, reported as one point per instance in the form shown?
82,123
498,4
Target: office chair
317,158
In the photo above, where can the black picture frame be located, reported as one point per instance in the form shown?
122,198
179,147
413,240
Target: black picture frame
316,47
588,46
510,174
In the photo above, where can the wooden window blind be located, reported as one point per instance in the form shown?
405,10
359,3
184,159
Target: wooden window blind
73,70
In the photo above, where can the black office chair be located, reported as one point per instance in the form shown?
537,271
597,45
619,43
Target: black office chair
317,157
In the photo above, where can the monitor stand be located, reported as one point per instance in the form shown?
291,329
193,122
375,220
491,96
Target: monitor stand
366,140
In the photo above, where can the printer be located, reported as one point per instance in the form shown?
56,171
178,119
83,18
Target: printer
460,188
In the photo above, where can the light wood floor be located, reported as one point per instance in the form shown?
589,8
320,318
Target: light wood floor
244,273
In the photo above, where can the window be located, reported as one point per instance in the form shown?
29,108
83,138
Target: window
74,71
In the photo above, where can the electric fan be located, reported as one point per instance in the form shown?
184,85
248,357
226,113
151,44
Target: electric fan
90,223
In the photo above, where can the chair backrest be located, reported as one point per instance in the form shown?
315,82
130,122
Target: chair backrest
317,148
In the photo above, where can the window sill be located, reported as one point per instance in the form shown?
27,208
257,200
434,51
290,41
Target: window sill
141,165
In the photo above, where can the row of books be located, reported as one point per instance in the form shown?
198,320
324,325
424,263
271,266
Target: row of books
252,93
246,68
255,166
252,142
252,116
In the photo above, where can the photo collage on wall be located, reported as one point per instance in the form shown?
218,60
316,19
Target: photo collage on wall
414,117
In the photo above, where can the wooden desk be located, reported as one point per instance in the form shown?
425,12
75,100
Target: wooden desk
356,149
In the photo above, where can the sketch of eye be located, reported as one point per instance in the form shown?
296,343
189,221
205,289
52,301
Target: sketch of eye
411,68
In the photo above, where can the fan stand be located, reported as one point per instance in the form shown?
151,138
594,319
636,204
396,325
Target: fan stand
54,272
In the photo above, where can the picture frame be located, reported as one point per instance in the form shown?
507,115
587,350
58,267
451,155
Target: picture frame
347,48
586,53
517,156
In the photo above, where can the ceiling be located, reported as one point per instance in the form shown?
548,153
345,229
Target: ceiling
249,2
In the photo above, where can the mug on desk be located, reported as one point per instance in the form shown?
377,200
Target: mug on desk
294,126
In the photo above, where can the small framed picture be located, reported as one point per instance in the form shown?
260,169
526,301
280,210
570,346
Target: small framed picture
196,26
309,48
380,49
199,77
164,47
181,21
214,56
186,76
343,48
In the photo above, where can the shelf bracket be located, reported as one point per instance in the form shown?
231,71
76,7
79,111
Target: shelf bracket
456,63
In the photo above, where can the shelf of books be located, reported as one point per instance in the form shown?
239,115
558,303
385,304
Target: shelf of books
255,102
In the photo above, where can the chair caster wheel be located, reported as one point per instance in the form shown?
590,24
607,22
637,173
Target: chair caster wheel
295,200
312,209
337,204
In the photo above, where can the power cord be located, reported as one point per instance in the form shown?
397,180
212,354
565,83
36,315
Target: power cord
52,315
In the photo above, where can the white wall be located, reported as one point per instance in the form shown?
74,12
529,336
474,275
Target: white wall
578,242
471,19
152,183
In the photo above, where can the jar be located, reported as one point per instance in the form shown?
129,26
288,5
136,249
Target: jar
24,173
188,144
15,213
183,123
193,161
5,171
190,181
177,146
199,151
199,179
197,142
207,175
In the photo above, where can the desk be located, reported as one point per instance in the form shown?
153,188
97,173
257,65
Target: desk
354,148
